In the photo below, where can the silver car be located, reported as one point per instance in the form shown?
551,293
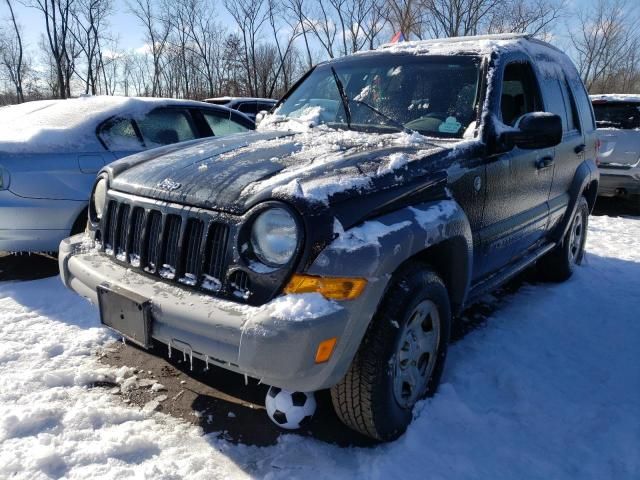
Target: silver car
618,121
50,152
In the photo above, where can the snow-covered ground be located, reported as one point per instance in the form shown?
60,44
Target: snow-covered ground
548,388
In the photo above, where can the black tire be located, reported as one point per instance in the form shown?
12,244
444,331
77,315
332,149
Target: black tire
558,265
365,399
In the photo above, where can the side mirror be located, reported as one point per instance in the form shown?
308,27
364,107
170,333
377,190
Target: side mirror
534,130
260,116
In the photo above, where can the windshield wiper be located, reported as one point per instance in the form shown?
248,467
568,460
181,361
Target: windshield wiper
343,97
390,120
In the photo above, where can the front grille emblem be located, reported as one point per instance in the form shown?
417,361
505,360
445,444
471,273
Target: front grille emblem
168,185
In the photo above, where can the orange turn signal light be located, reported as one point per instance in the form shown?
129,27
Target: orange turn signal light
333,288
325,349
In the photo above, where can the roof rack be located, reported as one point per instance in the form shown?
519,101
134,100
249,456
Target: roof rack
470,38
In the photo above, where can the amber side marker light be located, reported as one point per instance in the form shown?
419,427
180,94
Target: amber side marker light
325,349
333,288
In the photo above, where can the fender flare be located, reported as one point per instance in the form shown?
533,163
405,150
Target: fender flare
376,248
586,173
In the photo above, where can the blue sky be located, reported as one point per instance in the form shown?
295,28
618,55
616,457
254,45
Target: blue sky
126,26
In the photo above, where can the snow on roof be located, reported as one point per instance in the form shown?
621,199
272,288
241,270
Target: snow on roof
481,44
239,99
67,125
615,97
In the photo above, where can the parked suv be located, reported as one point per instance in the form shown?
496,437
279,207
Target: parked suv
334,247
618,122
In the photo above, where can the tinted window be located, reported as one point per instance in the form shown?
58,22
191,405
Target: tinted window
248,107
222,125
166,126
265,106
586,115
519,93
569,106
617,115
119,135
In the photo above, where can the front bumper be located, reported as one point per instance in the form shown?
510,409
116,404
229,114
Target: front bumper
34,224
257,341
616,182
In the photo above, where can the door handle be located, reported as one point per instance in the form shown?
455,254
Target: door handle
579,149
544,162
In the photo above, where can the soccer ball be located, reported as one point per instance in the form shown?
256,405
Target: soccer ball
289,409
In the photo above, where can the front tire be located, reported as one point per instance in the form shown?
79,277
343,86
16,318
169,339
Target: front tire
559,264
401,357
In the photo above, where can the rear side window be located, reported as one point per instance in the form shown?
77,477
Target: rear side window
617,115
223,125
569,106
265,106
119,135
165,126
519,93
250,108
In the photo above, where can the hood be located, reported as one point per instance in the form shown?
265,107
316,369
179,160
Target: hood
318,167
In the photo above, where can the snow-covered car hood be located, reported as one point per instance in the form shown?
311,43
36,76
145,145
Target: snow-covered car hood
317,167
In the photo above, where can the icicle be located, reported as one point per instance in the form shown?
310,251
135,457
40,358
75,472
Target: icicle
124,340
169,350
184,356
191,359
206,363
246,380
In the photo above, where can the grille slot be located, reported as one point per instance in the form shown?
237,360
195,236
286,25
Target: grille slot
153,239
137,226
192,241
120,237
188,249
172,236
215,264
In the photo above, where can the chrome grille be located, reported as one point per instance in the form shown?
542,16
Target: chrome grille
190,249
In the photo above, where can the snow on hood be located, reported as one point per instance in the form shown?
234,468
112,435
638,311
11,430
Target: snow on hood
66,125
322,146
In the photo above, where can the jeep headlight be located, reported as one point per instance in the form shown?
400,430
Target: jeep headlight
99,199
274,237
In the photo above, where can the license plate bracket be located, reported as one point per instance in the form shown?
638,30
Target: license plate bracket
127,313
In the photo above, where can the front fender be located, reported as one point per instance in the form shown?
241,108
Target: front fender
376,248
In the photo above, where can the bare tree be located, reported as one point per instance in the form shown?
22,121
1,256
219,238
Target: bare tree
250,16
88,32
157,29
405,16
536,17
456,18
607,37
12,56
57,16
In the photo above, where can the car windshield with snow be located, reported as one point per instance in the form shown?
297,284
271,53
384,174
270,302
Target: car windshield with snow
435,97
335,247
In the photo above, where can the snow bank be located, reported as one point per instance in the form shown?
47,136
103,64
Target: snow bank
549,387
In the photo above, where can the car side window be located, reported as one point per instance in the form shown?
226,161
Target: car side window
119,135
250,108
222,124
569,106
519,92
164,126
587,120
264,106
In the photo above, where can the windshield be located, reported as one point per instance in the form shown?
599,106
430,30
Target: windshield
435,96
617,115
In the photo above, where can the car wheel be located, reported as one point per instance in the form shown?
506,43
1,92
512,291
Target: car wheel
400,359
559,264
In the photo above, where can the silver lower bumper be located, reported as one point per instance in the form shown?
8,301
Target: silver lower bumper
254,341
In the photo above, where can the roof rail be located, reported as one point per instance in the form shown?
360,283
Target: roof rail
470,38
